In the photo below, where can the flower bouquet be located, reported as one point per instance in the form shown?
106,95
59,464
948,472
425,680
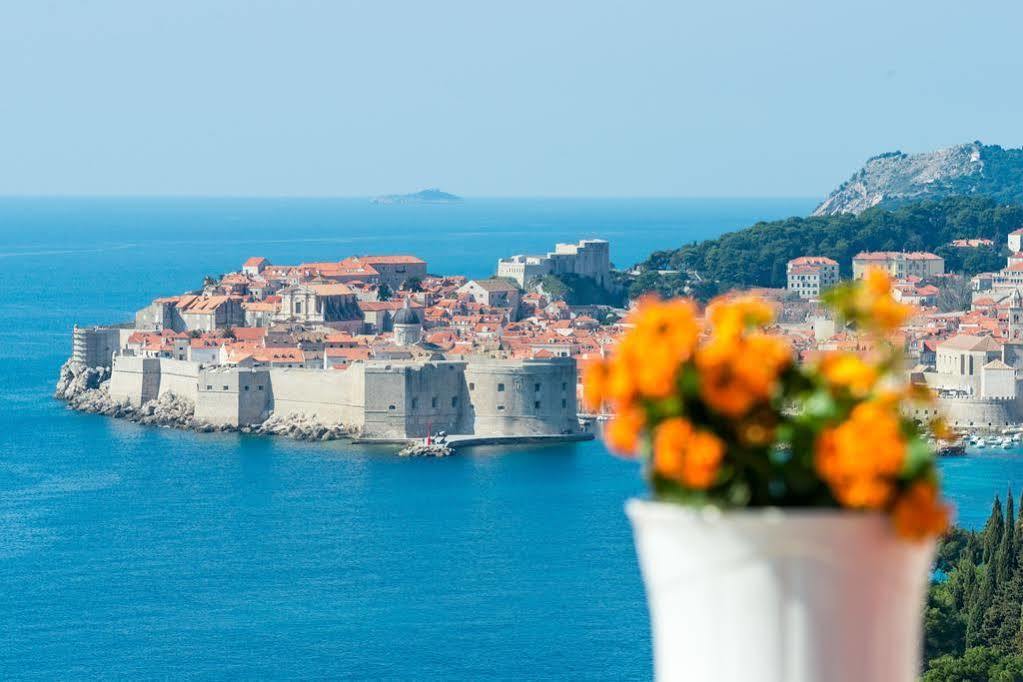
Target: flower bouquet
795,505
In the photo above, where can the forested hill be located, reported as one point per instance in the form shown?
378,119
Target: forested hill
756,256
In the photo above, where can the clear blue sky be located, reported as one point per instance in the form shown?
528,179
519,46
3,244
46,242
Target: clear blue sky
673,98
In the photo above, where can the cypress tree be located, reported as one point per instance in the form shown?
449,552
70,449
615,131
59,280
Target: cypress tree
1004,560
982,601
1010,523
992,535
962,583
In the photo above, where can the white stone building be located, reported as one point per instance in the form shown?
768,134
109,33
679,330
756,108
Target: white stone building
588,258
808,276
899,264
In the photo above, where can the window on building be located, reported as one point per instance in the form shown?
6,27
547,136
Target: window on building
564,385
391,407
225,388
472,386
259,387
500,388
298,306
454,401
209,387
433,401
245,388
536,404
500,408
536,388
564,403
414,403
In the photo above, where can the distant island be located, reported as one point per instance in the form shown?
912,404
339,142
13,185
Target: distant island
426,196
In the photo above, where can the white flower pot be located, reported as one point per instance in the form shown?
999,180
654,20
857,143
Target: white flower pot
780,596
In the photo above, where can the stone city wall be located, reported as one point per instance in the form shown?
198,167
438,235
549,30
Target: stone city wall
977,413
534,397
378,399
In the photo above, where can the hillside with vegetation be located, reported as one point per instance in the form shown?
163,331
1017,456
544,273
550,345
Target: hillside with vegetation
974,618
757,255
895,178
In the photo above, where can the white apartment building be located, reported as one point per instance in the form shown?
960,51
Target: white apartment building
808,276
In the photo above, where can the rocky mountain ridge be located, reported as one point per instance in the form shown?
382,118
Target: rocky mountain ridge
896,178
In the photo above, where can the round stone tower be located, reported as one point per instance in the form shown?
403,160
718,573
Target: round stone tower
408,328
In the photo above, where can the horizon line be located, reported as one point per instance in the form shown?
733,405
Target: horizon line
370,197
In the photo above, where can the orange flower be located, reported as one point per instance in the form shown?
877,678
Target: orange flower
860,458
664,336
874,303
888,314
620,389
731,315
941,429
687,455
736,373
623,431
594,385
919,512
672,323
847,370
877,282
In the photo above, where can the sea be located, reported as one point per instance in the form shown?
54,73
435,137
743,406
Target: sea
133,552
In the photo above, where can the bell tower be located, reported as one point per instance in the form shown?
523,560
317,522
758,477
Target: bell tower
1015,334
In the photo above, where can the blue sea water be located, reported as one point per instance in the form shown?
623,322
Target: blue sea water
138,552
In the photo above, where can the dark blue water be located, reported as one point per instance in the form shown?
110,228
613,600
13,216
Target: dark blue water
130,552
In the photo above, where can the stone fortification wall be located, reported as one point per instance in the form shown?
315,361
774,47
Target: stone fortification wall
135,380
534,397
332,397
378,399
95,346
405,400
180,378
233,396
939,380
977,413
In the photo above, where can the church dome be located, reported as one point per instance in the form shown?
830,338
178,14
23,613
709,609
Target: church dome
406,316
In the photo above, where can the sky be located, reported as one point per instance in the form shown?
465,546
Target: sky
552,98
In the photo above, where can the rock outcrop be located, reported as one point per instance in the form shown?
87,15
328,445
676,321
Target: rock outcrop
76,378
423,449
896,178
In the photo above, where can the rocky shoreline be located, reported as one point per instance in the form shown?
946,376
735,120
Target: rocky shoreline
86,389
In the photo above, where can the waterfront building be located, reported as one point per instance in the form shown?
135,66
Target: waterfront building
808,276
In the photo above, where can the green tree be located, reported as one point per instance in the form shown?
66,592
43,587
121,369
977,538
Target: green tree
412,284
384,293
978,664
954,294
756,255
